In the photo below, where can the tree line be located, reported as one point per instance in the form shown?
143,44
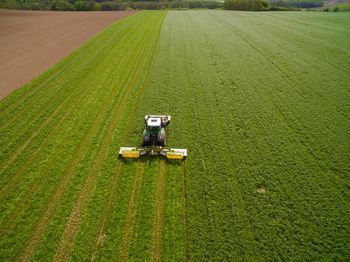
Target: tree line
270,5
116,5
245,5
103,5
296,3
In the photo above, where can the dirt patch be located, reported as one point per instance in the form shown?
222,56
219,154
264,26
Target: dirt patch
33,41
261,189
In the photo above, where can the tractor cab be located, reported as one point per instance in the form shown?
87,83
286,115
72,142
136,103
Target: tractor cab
154,133
153,124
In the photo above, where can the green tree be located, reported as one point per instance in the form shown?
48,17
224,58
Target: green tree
244,5
80,6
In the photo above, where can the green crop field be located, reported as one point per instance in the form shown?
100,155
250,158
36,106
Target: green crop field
260,100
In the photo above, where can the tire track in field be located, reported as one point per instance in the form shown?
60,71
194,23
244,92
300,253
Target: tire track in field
67,239
104,215
131,214
53,202
232,183
246,38
185,209
309,144
290,78
158,227
235,193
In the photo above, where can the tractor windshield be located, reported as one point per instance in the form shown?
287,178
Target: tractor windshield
154,129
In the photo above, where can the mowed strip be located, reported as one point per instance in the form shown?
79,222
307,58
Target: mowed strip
75,217
114,94
45,38
98,234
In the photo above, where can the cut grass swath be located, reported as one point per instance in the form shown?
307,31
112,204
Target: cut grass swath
74,220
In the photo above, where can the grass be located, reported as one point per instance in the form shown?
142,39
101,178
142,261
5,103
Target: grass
260,100
343,7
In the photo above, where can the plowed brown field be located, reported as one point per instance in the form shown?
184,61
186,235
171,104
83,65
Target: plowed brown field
32,41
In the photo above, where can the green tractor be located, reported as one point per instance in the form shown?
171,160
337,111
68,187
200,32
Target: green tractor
154,133
154,140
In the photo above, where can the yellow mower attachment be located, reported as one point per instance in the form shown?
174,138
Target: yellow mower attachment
129,152
175,153
137,152
153,141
